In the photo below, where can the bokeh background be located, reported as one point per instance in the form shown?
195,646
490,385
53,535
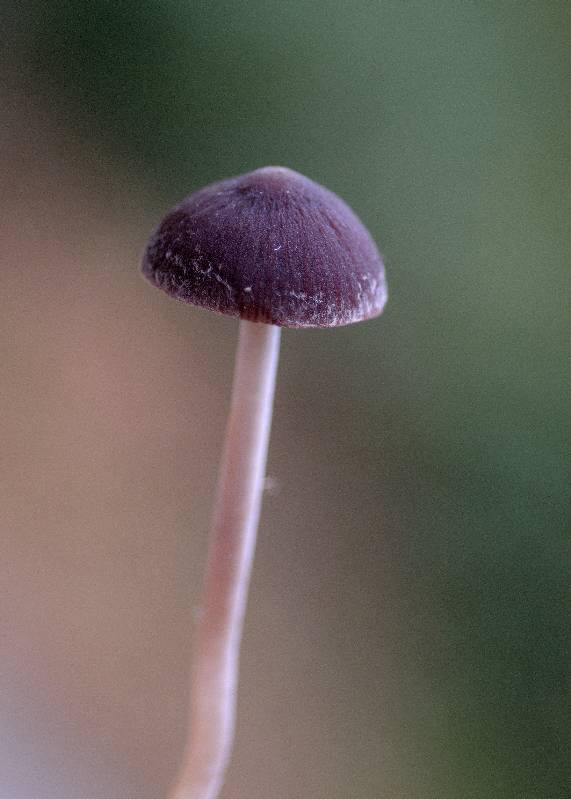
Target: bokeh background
406,634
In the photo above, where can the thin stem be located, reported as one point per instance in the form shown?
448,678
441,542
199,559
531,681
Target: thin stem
219,628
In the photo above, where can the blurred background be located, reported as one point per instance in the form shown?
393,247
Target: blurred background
406,633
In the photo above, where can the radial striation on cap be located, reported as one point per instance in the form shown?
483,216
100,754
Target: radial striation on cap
269,246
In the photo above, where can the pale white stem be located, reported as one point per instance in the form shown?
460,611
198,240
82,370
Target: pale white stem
219,627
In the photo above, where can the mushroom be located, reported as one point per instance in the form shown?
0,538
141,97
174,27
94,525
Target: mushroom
277,250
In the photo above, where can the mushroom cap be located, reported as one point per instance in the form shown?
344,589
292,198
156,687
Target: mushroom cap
269,246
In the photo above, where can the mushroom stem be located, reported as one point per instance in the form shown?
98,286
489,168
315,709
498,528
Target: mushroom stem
219,626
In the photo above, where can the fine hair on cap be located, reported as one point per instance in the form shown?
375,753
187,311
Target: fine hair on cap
269,246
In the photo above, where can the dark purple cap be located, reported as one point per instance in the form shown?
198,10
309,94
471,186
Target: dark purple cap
269,246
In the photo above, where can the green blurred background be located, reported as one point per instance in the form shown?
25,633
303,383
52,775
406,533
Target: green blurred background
407,633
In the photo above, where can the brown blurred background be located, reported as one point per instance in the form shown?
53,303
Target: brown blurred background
406,627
